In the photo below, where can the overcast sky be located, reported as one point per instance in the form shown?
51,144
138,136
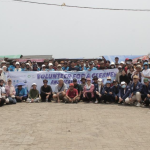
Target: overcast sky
30,29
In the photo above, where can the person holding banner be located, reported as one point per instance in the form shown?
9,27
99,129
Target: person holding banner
17,67
60,90
46,92
71,95
2,93
88,91
33,94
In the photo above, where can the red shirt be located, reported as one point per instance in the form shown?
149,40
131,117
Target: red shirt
72,93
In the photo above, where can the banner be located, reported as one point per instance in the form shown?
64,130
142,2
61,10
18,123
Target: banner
29,77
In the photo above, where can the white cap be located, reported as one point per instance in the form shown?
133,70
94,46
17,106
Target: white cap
100,80
122,62
17,63
61,79
4,67
119,66
123,82
1,69
112,63
59,65
50,64
27,64
43,66
108,77
34,84
4,61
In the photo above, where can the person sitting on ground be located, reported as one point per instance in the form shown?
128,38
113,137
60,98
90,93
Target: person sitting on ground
91,67
115,90
60,90
10,92
136,89
124,77
88,91
46,92
107,92
72,67
59,68
21,93
28,67
17,67
2,76
78,87
65,67
146,92
50,67
124,92
71,95
98,91
2,93
33,94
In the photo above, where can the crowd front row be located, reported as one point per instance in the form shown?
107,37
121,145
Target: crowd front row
134,93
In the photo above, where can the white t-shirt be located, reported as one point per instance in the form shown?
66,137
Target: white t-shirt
145,73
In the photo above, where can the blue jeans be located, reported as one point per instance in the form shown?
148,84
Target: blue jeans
12,100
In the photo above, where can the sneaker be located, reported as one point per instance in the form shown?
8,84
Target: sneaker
138,104
96,102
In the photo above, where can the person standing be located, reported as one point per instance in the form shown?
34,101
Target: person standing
17,67
146,72
2,93
46,92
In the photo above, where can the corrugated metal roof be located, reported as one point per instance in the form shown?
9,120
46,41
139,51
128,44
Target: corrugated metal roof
37,57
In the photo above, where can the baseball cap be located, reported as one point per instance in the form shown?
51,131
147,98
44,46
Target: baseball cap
100,80
17,63
34,84
122,62
95,77
71,84
43,66
146,80
123,82
59,65
119,66
88,79
60,79
50,64
135,77
74,80
112,63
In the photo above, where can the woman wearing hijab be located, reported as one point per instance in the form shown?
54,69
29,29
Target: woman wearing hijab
10,92
88,91
33,94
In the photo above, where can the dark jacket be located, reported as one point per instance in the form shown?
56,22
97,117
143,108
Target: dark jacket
115,90
126,94
146,89
124,78
138,88
107,89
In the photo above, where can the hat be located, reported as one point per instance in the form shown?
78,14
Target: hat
71,84
9,79
62,62
34,84
130,60
108,82
112,63
88,79
1,69
4,67
126,59
90,63
114,81
43,66
123,82
119,66
20,84
146,63
95,77
122,62
50,64
100,80
17,63
83,78
59,65
146,80
3,62
74,80
135,77
28,64
60,79
138,66
108,78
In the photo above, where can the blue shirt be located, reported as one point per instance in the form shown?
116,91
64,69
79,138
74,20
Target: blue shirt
22,92
23,69
94,68
65,68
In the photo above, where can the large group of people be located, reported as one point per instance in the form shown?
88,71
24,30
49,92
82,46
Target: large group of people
131,86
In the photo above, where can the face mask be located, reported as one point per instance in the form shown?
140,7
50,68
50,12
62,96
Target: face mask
112,66
123,86
99,82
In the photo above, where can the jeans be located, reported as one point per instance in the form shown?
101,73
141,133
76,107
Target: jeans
12,100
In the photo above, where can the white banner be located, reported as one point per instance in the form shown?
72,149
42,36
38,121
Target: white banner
29,77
